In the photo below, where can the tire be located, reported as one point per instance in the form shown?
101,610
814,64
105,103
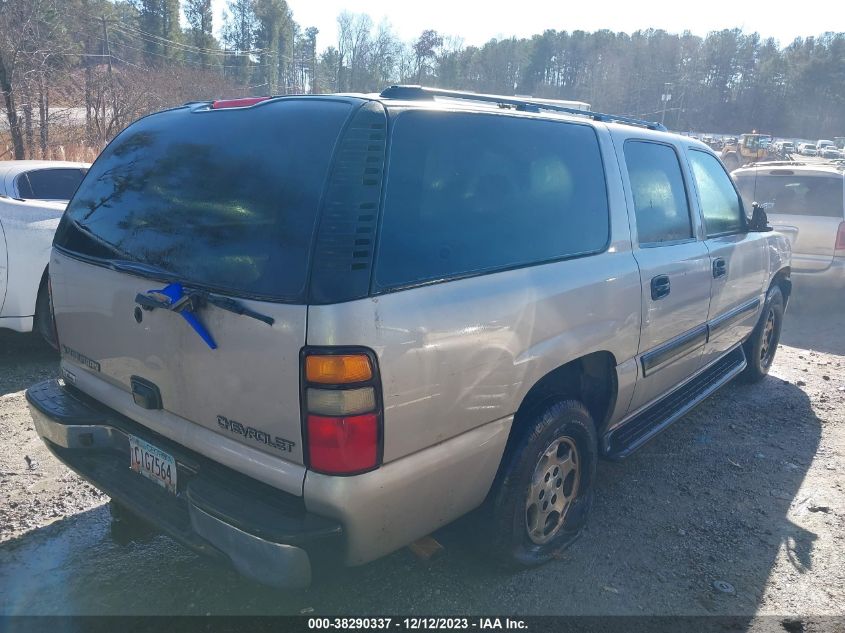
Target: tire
761,346
558,453
44,316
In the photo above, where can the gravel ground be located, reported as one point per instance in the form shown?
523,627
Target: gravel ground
738,509
35,488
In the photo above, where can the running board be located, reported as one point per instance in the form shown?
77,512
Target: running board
631,435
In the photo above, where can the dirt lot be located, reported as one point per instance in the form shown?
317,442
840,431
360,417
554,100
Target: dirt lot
738,509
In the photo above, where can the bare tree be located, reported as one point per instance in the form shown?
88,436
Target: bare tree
344,45
15,19
359,53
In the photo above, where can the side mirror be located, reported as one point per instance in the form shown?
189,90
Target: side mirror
759,222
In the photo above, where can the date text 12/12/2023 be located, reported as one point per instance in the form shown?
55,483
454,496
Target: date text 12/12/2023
417,623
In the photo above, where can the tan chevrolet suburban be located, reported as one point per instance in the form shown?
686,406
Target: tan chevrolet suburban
312,327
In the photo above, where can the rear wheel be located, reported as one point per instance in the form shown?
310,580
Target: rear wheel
544,492
761,346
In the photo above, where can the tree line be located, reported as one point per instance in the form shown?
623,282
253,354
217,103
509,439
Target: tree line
81,70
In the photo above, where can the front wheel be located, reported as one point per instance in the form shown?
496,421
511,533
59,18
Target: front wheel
544,492
761,346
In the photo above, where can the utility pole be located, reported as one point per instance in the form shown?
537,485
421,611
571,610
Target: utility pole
111,81
106,40
665,98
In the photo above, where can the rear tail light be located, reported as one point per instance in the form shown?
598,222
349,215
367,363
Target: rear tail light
343,445
341,401
840,241
342,411
337,369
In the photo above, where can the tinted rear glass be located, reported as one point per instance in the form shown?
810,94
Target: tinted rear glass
794,193
478,192
226,199
49,184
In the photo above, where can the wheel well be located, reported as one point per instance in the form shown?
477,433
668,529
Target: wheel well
41,286
782,280
590,379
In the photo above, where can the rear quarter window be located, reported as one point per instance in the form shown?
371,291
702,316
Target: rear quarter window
469,193
225,199
50,184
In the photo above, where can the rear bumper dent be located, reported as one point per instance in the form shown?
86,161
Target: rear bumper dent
276,564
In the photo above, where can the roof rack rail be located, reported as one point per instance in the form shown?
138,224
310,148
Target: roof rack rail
776,163
521,104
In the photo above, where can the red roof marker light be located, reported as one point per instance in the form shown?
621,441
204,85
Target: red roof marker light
236,103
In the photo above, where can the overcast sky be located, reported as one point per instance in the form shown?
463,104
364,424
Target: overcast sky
476,21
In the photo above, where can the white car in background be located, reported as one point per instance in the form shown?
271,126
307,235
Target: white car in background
33,197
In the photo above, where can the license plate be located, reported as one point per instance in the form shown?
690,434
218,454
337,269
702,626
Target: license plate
153,463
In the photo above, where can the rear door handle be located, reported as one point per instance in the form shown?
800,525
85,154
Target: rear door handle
720,267
659,287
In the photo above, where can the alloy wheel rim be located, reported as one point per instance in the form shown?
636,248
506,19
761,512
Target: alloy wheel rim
768,339
553,488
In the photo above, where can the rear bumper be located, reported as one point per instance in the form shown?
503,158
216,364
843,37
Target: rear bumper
831,278
266,534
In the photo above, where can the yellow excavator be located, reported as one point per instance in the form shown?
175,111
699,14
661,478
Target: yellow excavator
750,148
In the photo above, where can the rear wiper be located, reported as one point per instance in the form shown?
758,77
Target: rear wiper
175,298
231,305
198,296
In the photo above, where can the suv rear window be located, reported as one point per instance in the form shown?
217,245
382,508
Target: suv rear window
478,192
226,199
49,184
794,193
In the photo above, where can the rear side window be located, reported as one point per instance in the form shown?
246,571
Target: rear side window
784,191
49,184
719,201
657,186
478,192
225,199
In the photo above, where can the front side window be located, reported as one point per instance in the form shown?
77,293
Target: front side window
719,201
657,186
478,192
